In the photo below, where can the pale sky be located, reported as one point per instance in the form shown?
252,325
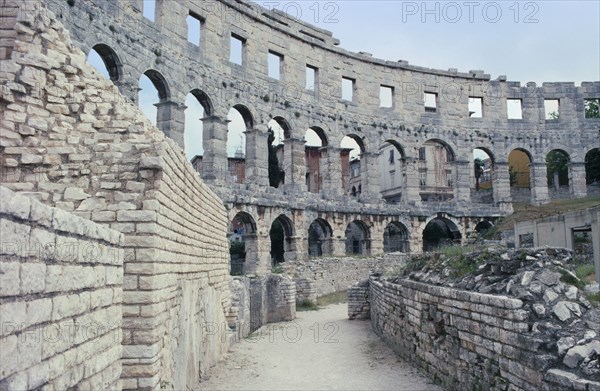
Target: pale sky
527,41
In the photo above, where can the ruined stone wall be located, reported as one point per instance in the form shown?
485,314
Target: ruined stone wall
61,288
466,340
71,140
320,276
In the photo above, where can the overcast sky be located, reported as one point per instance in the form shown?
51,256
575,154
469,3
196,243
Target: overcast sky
527,41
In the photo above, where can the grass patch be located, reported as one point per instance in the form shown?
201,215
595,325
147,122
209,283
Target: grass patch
585,272
594,298
307,305
570,279
277,269
333,298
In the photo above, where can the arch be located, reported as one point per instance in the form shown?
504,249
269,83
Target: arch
519,160
281,232
204,100
483,226
396,144
245,221
557,168
359,140
160,83
396,238
391,170
111,61
321,133
592,166
482,173
246,115
285,126
440,231
319,238
450,154
243,248
358,239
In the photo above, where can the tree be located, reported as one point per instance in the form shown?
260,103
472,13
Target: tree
512,174
591,108
479,165
592,166
556,166
276,174
554,115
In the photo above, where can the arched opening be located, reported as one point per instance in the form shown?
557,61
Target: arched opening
557,171
440,232
352,146
315,139
281,234
240,120
483,226
482,174
391,162
279,130
319,238
242,243
395,238
153,92
358,238
198,106
106,61
436,171
592,171
519,171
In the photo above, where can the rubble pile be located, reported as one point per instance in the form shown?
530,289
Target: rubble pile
560,313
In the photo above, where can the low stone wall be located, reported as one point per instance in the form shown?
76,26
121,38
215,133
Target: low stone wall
466,340
321,276
359,303
60,299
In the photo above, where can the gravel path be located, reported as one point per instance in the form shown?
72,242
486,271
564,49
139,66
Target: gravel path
320,350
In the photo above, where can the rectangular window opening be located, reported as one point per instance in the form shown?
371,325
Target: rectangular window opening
591,108
348,88
194,25
422,153
275,62
475,107
236,54
552,109
514,108
311,78
391,158
386,96
430,102
149,9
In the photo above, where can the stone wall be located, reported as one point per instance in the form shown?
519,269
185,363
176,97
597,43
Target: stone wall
466,340
71,140
320,276
61,280
133,45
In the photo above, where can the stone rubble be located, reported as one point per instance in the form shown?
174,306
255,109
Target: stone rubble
558,313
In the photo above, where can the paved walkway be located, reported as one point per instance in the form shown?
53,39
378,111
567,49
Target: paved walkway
320,350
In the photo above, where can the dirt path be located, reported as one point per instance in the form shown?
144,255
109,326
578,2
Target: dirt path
320,350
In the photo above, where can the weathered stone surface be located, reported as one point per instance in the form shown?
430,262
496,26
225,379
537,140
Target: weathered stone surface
578,353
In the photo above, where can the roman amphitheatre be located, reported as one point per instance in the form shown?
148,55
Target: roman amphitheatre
127,264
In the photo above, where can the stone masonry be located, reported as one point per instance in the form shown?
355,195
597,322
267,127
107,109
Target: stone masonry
72,141
61,289
132,45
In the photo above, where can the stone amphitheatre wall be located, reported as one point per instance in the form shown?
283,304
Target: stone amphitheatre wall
132,45
61,288
72,141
